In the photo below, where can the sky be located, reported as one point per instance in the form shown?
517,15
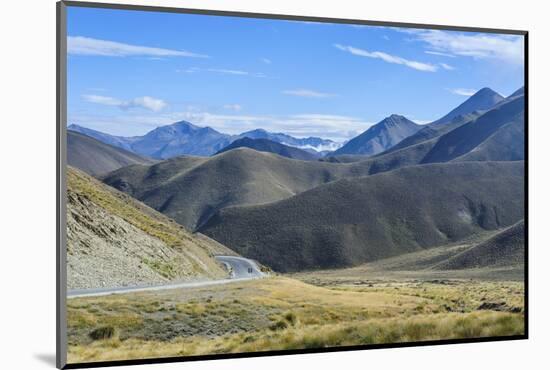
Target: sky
132,71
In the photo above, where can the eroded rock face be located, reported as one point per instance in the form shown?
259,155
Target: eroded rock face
104,249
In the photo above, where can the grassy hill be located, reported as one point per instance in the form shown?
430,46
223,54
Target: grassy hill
114,240
507,143
503,249
265,145
190,190
97,158
356,220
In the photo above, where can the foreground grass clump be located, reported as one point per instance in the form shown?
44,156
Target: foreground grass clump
396,330
281,313
104,332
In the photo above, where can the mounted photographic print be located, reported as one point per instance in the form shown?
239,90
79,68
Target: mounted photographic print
235,184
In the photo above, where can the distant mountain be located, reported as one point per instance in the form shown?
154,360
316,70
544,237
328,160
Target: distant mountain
480,101
506,248
265,145
113,240
97,158
180,138
430,131
496,135
184,138
355,220
380,137
118,141
313,144
469,136
518,92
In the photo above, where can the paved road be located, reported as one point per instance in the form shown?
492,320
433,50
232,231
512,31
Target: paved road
241,269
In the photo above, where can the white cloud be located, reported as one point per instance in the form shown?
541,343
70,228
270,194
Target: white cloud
234,72
462,91
507,48
104,100
233,107
188,70
425,67
422,121
228,71
307,93
78,45
266,60
439,54
145,102
447,67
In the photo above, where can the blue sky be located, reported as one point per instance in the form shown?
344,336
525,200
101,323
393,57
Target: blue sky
131,71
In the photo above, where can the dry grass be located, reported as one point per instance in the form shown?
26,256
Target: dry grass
395,330
283,313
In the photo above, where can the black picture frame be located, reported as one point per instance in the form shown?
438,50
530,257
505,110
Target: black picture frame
61,164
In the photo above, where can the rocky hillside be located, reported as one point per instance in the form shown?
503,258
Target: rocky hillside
114,240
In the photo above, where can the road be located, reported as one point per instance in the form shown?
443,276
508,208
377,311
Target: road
241,269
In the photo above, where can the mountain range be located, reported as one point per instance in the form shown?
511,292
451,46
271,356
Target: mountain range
440,184
312,144
396,132
184,138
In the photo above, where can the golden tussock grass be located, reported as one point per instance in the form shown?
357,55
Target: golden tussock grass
282,313
376,331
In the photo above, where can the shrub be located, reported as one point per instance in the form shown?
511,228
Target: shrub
104,332
291,318
279,325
